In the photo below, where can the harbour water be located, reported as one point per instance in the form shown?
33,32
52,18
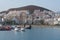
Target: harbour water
36,33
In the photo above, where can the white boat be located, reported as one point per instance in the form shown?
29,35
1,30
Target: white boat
22,29
28,26
16,29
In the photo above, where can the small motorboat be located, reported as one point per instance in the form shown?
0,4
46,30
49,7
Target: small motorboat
6,28
22,29
16,29
28,27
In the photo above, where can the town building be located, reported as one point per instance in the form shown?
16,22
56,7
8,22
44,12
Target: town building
29,14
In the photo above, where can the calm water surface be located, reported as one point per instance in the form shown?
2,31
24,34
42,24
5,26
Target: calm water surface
35,33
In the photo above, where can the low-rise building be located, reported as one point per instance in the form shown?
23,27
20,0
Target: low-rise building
29,19
49,21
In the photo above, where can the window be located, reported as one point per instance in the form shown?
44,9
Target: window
37,17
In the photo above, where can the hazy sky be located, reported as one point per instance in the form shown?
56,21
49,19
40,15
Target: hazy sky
49,4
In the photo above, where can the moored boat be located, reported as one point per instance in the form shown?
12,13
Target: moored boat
28,27
5,28
22,29
16,29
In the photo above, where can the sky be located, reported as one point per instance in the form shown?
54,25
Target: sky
53,5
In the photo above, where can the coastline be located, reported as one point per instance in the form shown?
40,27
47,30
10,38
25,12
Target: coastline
43,25
46,26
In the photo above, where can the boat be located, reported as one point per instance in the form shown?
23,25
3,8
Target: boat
5,28
28,27
22,29
19,29
16,29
